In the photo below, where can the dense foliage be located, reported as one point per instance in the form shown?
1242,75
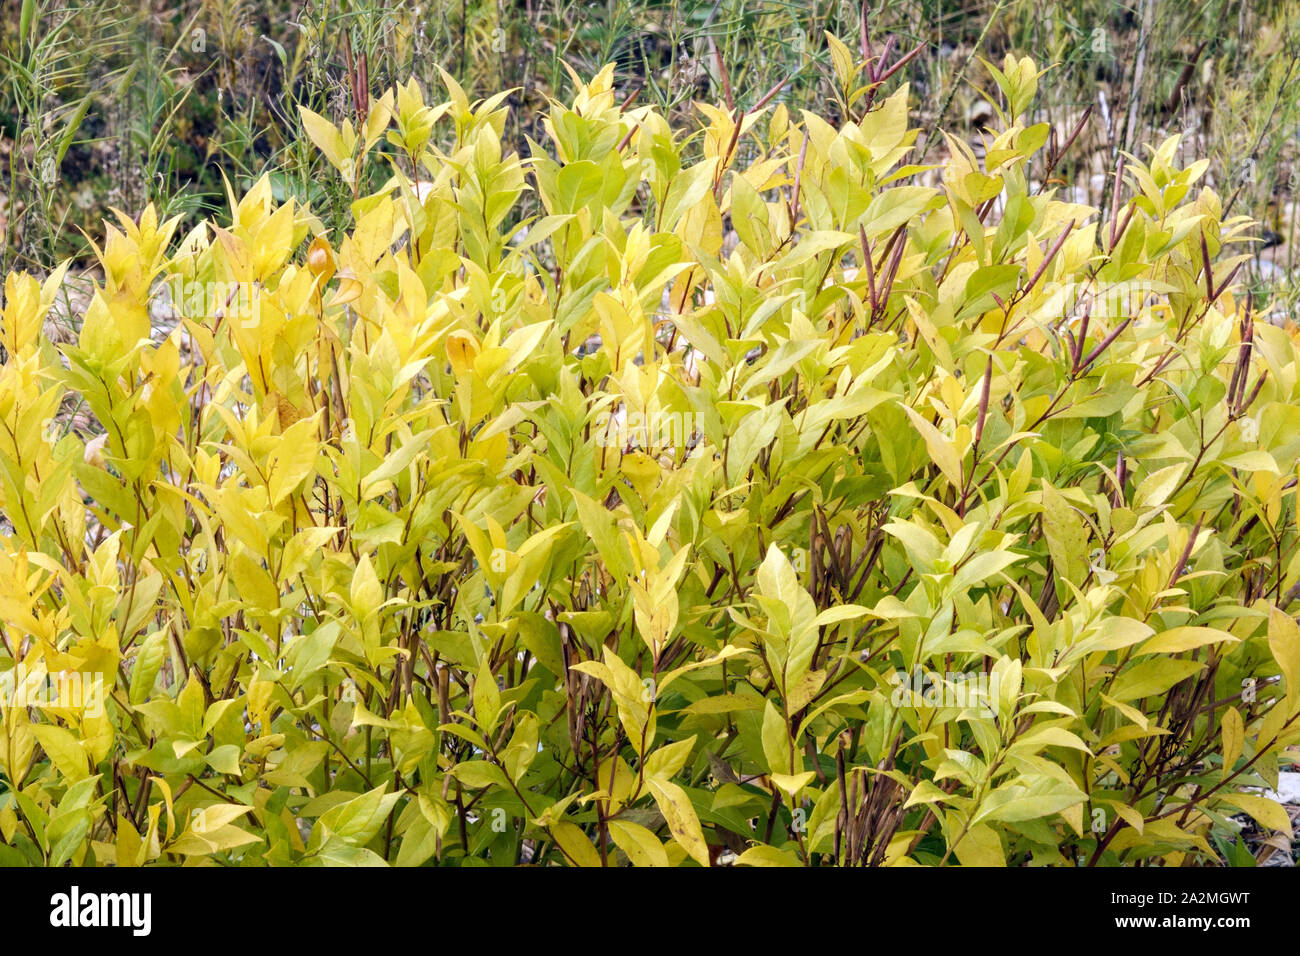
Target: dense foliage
906,524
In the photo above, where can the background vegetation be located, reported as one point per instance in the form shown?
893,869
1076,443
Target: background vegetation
109,103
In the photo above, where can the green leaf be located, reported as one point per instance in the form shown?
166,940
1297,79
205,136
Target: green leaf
148,662
1028,799
1152,677
312,652
1179,639
487,698
357,821
522,749
1066,534
479,774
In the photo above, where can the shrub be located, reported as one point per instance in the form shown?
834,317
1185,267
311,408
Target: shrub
910,524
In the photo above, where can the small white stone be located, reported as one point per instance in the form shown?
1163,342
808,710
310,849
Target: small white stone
1288,788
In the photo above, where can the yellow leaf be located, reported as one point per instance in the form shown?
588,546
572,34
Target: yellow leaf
577,848
1234,736
942,451
641,846
366,593
1266,812
1284,642
791,783
1133,817
326,136
293,460
462,349
217,816
763,855
981,846
129,847
64,749
1180,639
682,821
